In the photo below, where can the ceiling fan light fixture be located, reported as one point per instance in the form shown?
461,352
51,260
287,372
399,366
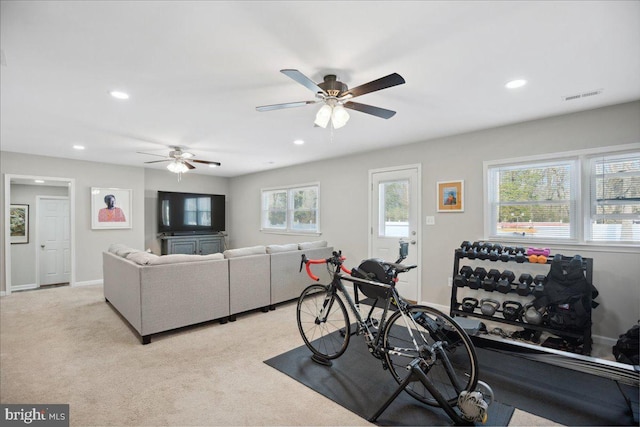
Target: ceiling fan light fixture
339,117
323,116
177,167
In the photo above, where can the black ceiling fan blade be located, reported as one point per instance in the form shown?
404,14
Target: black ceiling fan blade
370,109
189,165
206,162
391,80
263,108
303,80
158,161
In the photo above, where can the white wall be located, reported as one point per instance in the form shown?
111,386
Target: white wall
344,198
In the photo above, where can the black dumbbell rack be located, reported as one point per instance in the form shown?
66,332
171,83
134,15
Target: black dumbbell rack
456,306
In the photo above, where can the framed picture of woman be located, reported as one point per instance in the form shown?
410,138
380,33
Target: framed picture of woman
110,208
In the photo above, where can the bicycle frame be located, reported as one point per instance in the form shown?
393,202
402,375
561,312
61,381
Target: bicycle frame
373,341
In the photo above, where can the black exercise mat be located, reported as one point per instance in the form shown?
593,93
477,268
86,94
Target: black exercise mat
559,394
357,382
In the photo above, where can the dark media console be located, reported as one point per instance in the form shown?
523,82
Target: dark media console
192,244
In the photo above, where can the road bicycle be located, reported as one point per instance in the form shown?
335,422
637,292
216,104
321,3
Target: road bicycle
427,352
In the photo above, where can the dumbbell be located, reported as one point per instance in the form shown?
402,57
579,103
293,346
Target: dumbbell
489,283
472,251
494,255
520,254
485,248
539,281
504,283
540,259
524,288
476,280
462,250
469,304
462,279
505,256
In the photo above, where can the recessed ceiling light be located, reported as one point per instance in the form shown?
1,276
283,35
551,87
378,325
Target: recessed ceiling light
78,147
298,142
213,165
119,94
38,181
514,84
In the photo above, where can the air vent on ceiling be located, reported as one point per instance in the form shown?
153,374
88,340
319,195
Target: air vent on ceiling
582,95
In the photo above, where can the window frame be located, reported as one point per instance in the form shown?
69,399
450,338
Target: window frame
581,177
289,228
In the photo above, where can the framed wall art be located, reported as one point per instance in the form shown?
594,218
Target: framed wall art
19,226
450,196
110,208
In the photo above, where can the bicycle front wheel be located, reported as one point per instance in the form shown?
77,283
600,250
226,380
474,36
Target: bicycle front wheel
323,322
445,352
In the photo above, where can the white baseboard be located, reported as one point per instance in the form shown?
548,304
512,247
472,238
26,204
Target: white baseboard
88,283
3,293
24,287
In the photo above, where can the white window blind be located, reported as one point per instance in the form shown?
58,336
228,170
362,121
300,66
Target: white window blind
534,200
615,198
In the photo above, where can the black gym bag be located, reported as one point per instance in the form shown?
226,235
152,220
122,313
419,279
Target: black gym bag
375,270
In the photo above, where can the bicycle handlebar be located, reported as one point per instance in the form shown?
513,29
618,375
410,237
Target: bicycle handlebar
336,260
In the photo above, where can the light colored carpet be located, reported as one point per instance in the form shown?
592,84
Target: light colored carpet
67,345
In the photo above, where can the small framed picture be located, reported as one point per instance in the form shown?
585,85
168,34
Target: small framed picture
450,196
19,215
110,208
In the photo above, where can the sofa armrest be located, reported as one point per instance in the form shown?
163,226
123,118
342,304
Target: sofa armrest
121,286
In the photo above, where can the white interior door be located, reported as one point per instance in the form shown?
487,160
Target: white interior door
53,240
395,216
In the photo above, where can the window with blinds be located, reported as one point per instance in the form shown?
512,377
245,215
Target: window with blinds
615,198
533,201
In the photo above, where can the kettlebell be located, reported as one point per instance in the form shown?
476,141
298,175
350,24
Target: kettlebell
469,304
532,315
512,310
489,306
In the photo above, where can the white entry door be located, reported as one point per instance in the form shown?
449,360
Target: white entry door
395,213
53,240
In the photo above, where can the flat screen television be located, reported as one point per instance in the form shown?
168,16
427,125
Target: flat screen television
190,213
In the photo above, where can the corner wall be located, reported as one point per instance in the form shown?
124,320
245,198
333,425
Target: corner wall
344,199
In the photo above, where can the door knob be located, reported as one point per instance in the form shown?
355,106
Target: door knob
413,242
42,246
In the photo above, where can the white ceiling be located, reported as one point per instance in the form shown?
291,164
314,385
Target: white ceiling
197,70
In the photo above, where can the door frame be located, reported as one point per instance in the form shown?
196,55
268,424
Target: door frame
70,183
38,234
418,167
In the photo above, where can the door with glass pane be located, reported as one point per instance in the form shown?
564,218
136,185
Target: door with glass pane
395,216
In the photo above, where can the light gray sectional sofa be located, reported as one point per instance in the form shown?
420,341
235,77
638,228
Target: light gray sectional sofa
159,293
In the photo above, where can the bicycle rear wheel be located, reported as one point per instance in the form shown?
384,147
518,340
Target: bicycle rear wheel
446,353
323,322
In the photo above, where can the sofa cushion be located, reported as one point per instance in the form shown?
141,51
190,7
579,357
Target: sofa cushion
115,247
272,249
252,250
141,257
176,258
313,245
123,252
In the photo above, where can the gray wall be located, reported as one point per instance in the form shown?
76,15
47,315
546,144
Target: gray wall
344,200
23,255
